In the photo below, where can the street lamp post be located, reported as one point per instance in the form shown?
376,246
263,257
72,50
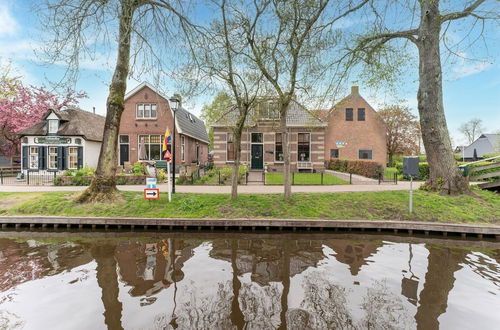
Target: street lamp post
174,104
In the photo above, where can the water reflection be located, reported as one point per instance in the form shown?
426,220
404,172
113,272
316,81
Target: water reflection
247,282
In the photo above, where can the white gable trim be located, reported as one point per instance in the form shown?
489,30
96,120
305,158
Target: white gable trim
141,86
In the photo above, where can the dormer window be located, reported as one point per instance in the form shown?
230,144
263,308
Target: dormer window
53,126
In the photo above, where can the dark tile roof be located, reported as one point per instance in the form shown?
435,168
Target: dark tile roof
189,124
74,122
297,115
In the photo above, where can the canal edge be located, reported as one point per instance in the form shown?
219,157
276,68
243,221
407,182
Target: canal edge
396,226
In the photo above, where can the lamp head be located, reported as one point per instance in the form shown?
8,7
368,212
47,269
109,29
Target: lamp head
174,103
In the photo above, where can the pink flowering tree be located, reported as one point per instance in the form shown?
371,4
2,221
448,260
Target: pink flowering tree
23,106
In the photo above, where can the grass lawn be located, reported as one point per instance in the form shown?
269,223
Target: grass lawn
483,208
305,178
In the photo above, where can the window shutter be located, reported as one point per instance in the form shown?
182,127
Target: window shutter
42,160
60,160
80,157
25,157
65,158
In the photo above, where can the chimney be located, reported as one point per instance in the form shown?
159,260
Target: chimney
355,90
93,110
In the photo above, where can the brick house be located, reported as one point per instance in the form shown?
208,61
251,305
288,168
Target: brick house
64,139
146,115
261,147
355,131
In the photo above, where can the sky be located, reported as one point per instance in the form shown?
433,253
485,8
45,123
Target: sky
471,88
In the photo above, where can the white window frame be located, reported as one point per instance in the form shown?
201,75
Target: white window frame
52,154
149,143
53,126
310,153
33,158
149,107
71,155
227,139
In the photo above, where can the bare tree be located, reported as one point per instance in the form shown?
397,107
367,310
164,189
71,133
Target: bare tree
472,129
218,61
288,42
82,30
403,131
427,36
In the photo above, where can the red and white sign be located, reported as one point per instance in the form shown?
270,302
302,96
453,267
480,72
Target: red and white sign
151,193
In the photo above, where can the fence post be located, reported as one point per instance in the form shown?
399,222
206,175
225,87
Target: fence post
379,177
246,177
192,178
28,177
1,176
264,177
321,178
293,178
350,178
219,176
395,178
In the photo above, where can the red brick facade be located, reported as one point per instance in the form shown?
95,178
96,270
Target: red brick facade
134,127
352,137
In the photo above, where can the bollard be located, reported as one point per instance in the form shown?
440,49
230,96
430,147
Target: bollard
1,176
350,178
321,178
219,176
293,178
28,177
379,177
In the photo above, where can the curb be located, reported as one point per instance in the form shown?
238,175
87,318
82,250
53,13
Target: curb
410,227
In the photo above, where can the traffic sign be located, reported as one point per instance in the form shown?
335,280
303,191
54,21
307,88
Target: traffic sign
151,193
150,183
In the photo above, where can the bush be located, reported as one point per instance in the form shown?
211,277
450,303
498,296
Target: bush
161,175
365,168
139,169
80,180
84,171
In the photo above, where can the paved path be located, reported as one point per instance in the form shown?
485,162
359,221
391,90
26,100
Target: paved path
250,189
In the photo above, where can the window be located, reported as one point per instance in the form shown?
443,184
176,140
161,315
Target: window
73,158
123,138
334,153
256,137
182,148
53,158
268,110
146,110
278,147
348,114
230,150
150,147
34,157
53,126
361,114
304,151
365,154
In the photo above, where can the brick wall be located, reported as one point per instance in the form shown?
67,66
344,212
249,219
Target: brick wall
133,127
369,134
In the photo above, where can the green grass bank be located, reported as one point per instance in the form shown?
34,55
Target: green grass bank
392,205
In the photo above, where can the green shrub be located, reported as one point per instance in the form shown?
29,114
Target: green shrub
423,168
84,171
80,180
161,175
365,168
139,169
121,180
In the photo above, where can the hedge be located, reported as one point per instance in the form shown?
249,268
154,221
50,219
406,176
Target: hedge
423,168
365,168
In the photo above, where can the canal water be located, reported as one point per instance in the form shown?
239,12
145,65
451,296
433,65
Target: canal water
246,281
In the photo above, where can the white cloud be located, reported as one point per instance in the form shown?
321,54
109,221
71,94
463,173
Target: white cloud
466,67
8,25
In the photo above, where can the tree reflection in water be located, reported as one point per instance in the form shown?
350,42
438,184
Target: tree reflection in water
282,282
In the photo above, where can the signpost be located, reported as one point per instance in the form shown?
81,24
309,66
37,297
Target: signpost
150,183
168,158
151,193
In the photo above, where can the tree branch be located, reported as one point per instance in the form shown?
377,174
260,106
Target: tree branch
464,13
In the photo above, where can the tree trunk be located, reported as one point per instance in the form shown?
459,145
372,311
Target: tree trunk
236,165
391,160
445,176
287,185
103,186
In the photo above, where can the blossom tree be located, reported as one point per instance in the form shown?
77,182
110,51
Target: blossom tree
23,106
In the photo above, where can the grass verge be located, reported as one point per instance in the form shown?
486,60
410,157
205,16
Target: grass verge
483,209
305,179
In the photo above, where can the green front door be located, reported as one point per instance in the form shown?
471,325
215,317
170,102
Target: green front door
257,157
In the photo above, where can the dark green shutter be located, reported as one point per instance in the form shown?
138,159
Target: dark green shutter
25,157
60,158
42,158
65,158
80,157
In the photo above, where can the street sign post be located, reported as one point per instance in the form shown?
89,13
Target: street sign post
168,158
150,183
151,193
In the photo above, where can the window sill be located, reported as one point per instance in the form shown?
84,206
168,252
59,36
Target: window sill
147,119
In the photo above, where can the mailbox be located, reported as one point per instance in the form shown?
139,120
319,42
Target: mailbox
410,167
